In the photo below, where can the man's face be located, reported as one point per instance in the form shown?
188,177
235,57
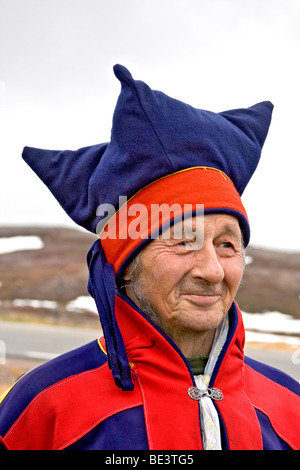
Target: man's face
191,287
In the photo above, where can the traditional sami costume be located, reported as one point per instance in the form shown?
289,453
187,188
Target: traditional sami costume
119,392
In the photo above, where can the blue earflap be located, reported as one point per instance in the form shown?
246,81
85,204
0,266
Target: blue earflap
101,287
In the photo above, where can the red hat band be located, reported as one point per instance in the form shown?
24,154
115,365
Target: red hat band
196,189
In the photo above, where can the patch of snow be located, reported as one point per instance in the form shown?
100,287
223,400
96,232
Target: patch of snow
268,327
248,260
20,243
274,322
83,302
51,304
258,337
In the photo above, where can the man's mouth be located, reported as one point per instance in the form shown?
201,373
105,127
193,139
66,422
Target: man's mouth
204,300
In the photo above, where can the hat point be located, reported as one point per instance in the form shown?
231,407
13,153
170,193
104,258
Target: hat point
122,72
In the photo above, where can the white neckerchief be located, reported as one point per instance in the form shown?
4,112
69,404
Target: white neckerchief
210,425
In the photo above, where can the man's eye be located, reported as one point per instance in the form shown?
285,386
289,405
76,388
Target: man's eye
226,249
184,242
188,242
188,245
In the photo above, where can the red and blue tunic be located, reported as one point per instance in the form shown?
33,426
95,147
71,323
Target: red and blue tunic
72,402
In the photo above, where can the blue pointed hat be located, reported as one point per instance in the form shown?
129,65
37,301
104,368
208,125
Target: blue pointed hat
153,136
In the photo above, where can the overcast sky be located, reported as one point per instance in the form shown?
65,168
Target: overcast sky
58,91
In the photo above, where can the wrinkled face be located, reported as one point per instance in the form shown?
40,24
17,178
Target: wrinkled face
190,286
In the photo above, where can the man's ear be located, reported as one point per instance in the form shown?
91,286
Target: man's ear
126,275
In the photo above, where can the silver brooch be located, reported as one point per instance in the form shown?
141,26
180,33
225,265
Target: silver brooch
213,393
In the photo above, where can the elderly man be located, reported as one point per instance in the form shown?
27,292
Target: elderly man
170,371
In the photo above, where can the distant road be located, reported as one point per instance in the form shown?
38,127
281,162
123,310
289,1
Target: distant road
43,342
287,361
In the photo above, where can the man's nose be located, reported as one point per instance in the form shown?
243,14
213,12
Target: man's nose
206,265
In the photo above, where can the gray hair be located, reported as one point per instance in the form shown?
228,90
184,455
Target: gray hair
134,270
